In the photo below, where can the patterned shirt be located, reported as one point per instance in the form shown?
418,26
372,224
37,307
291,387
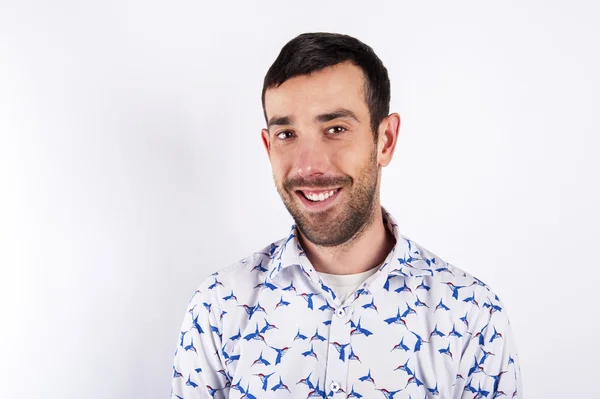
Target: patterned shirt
269,327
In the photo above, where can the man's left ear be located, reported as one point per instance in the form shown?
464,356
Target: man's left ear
388,137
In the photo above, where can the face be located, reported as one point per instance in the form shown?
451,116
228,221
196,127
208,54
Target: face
322,150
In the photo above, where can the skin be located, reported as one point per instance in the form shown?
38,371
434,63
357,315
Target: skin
314,154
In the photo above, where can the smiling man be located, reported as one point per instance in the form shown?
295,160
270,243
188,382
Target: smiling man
344,306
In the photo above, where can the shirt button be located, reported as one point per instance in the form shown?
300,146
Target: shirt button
340,312
334,387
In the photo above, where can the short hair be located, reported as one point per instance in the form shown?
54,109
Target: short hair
312,52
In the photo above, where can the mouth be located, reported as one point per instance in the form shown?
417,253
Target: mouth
318,199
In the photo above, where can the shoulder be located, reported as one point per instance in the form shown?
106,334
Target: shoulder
441,271
241,275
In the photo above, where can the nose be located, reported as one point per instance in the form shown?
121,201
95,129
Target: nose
314,159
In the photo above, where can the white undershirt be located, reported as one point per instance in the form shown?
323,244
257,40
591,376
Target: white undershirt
345,284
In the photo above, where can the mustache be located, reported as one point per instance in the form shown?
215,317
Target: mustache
321,182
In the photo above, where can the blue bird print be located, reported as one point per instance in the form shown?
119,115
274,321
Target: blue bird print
230,297
327,306
367,377
359,330
191,347
340,348
481,393
255,335
310,352
477,368
216,283
493,308
454,288
443,269
306,381
465,320
282,303
386,286
191,383
401,346
261,360
181,338
208,306
418,303
300,336
471,299
247,394
436,332
419,342
454,333
396,319
485,355
236,336
264,379
280,353
258,308
404,367
413,380
371,305
229,358
408,311
354,394
317,336
176,374
496,379
434,391
268,327
316,392
212,391
480,336
259,267
446,351
441,306
352,355
280,385
388,394
469,387
495,335
403,288
290,287
308,298
288,239
423,286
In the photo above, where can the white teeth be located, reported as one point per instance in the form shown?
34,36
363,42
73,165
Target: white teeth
320,196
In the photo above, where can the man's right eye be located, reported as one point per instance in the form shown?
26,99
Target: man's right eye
286,134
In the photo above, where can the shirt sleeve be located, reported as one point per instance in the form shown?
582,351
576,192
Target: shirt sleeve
198,369
489,364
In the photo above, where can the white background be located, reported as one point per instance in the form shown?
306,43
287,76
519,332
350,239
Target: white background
131,167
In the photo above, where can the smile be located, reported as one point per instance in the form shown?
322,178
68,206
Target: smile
317,196
314,200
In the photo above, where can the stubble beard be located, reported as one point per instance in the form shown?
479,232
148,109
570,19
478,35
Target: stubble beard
345,220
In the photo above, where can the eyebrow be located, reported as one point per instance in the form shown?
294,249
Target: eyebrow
338,113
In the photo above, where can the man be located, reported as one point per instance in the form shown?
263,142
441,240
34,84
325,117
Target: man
344,306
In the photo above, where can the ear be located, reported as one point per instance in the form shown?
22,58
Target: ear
266,141
388,137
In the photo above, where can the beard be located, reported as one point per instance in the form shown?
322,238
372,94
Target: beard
351,214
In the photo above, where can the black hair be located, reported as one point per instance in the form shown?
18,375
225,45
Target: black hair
312,52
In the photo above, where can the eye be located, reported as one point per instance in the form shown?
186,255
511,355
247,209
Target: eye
336,130
286,134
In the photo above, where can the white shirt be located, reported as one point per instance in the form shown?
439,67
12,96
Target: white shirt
269,326
345,284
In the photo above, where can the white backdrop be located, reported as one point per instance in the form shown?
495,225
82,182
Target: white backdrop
131,167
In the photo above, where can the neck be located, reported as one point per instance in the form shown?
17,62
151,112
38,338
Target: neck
367,249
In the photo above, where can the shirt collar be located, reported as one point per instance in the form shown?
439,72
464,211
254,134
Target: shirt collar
405,258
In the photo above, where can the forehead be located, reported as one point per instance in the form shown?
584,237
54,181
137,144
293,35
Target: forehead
335,87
